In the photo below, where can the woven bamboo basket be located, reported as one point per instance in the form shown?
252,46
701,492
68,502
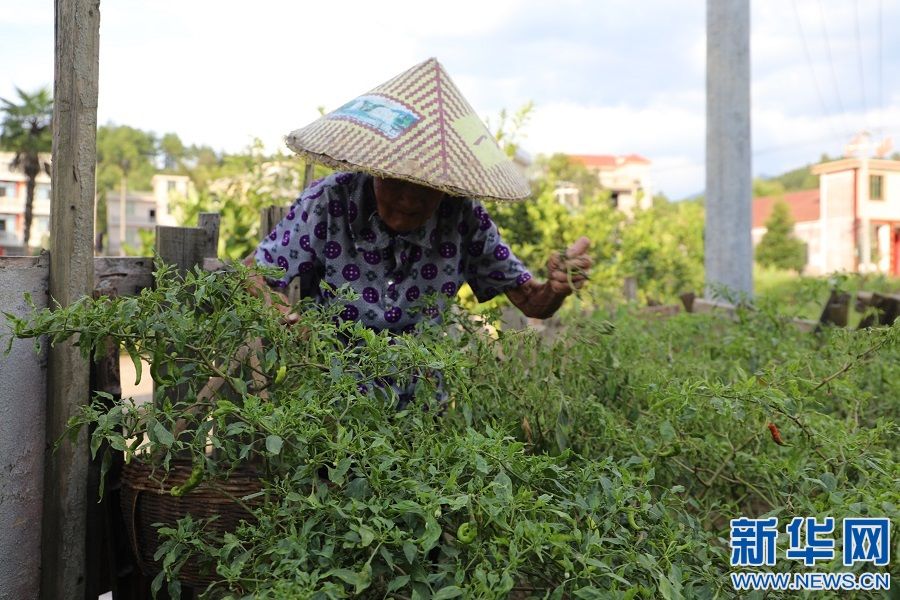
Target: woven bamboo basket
146,501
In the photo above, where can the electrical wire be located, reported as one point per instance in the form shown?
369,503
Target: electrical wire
812,71
834,79
880,67
859,53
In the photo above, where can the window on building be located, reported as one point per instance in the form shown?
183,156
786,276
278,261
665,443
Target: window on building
42,192
2,223
876,187
2,191
152,214
172,186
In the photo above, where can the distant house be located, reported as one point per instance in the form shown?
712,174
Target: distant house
626,177
12,208
143,211
851,222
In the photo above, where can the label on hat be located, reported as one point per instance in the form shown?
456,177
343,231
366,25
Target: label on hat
479,140
386,116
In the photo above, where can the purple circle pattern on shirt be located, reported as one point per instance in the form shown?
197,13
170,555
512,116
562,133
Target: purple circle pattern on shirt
335,208
429,271
350,312
332,250
448,250
351,272
339,239
286,238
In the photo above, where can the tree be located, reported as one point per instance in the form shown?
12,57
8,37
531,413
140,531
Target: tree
27,131
173,152
125,158
778,247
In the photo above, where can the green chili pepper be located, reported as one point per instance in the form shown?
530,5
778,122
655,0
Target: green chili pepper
631,522
281,374
467,533
191,482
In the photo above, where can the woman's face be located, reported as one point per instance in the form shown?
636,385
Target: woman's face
405,206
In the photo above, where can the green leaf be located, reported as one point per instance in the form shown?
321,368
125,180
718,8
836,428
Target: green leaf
366,536
451,591
432,533
163,435
410,551
274,444
397,583
360,580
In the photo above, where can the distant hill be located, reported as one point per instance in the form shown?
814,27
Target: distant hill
790,181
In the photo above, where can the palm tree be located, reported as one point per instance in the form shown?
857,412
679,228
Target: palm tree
26,131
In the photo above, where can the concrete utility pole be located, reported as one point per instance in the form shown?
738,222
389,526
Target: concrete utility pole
729,250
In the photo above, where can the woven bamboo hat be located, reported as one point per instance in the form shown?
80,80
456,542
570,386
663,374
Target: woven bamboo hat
419,128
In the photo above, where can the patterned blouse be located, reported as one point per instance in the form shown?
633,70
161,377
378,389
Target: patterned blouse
333,233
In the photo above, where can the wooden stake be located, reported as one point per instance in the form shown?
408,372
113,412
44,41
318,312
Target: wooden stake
71,278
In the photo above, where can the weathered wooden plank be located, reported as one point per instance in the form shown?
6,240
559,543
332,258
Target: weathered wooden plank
836,310
185,248
704,306
128,274
71,265
687,299
660,310
886,308
71,277
23,400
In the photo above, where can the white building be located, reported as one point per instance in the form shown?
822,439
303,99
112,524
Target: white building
626,177
851,222
12,208
143,211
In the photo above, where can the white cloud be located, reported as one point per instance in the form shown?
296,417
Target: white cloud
610,77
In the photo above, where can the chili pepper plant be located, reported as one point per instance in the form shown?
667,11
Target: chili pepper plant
603,464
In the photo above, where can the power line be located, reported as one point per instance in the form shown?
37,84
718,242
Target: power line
880,68
859,53
834,80
812,71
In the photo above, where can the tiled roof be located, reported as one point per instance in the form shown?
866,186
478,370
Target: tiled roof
608,160
804,206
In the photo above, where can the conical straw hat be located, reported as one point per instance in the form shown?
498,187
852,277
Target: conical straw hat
419,128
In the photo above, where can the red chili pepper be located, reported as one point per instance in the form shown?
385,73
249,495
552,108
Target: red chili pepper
776,435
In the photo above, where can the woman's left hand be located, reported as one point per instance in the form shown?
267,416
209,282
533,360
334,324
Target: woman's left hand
570,270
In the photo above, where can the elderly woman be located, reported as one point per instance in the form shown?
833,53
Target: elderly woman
403,223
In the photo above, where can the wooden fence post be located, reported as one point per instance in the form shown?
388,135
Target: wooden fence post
269,217
186,247
71,277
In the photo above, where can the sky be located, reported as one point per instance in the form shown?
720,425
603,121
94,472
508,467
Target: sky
610,77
